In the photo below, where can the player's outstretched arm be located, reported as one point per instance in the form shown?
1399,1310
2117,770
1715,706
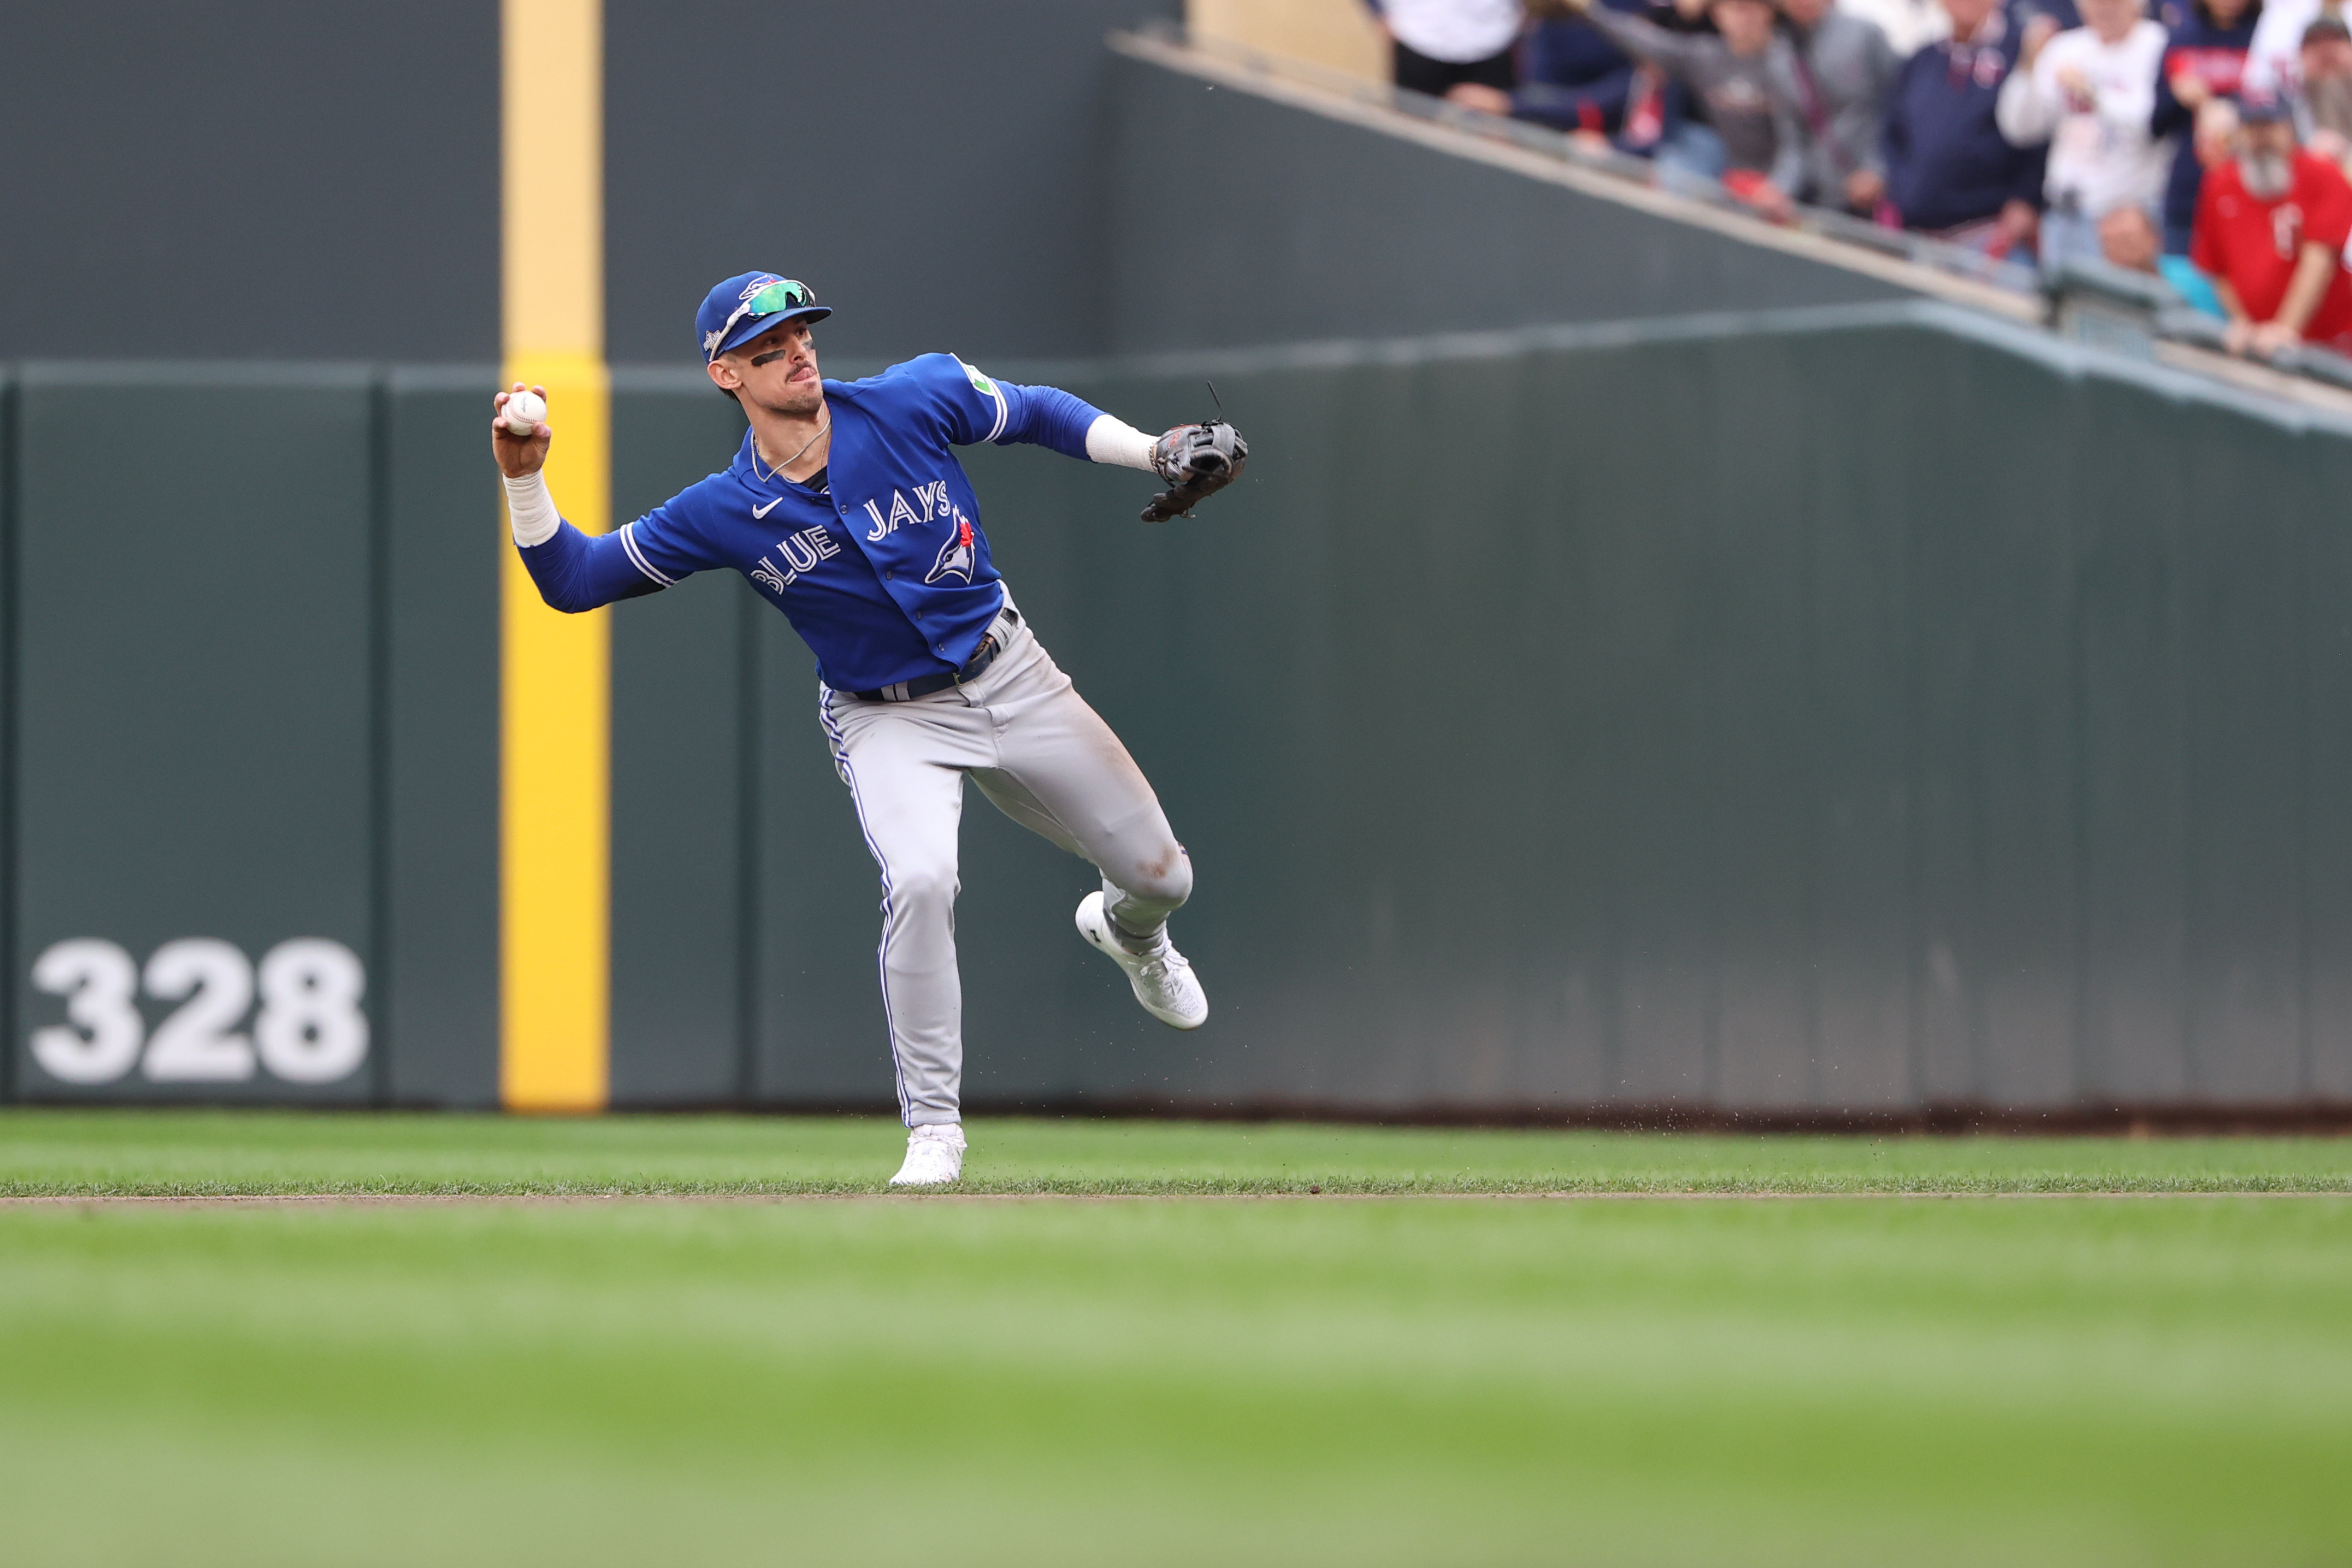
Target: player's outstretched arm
1196,460
573,571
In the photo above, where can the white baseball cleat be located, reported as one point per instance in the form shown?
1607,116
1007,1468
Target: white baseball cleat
1162,977
934,1157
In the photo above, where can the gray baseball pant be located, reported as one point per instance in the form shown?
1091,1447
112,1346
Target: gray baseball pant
1047,761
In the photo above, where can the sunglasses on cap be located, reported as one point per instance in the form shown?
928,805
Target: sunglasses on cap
785,294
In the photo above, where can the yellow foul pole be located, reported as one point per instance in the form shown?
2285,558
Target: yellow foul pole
556,698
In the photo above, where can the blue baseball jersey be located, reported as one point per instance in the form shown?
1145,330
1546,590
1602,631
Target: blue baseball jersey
885,572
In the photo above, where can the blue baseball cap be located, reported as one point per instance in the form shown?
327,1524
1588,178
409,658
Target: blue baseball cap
749,304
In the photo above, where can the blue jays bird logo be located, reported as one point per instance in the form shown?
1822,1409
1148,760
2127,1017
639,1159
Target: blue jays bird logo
956,555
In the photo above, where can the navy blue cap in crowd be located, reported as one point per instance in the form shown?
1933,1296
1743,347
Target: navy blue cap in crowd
2264,109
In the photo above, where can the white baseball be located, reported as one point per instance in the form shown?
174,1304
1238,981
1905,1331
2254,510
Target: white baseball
523,412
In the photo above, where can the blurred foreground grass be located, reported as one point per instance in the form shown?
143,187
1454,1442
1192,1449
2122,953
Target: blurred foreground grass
1379,1383
196,1152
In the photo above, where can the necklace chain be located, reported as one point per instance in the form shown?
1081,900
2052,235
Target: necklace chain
776,471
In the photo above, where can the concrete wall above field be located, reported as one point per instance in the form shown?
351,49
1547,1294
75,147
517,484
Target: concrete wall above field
265,180
274,179
279,182
1237,219
936,171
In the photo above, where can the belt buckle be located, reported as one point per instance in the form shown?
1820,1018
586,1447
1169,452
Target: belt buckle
980,655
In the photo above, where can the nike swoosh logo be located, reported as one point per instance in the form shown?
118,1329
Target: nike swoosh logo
763,511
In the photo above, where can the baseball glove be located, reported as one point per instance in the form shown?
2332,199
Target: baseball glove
1197,461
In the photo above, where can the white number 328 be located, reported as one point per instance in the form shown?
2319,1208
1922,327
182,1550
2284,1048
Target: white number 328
310,1028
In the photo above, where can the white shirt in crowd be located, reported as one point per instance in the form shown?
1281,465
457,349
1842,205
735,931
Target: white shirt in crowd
2274,58
2101,154
1909,25
1455,31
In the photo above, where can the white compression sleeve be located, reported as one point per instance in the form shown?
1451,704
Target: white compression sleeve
1111,439
532,511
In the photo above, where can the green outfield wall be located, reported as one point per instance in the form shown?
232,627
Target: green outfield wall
1853,708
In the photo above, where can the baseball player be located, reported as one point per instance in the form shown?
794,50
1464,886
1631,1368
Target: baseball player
848,511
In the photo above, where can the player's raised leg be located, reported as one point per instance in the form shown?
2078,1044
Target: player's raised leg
1062,773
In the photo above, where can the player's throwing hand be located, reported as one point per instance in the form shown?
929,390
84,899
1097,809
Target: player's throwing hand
519,452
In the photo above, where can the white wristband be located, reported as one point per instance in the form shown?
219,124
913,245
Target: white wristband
532,511
1111,439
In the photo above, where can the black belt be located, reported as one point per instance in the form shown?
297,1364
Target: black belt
982,657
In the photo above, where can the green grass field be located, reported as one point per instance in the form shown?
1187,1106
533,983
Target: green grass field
1890,1361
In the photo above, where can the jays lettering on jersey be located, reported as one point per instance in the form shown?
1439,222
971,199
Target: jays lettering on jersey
885,573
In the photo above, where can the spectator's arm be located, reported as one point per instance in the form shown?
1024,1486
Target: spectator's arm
1789,147
1597,105
1886,66
2239,335
2315,269
2032,176
1884,72
2023,113
1894,149
2327,214
2129,109
2272,53
1644,38
2205,250
2171,116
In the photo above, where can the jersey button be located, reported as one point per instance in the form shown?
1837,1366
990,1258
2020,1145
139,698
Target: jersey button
888,575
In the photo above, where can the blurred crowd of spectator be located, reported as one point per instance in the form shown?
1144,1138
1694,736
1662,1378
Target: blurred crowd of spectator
2208,143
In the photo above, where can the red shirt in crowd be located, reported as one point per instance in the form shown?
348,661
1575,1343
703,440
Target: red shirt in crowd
2253,243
